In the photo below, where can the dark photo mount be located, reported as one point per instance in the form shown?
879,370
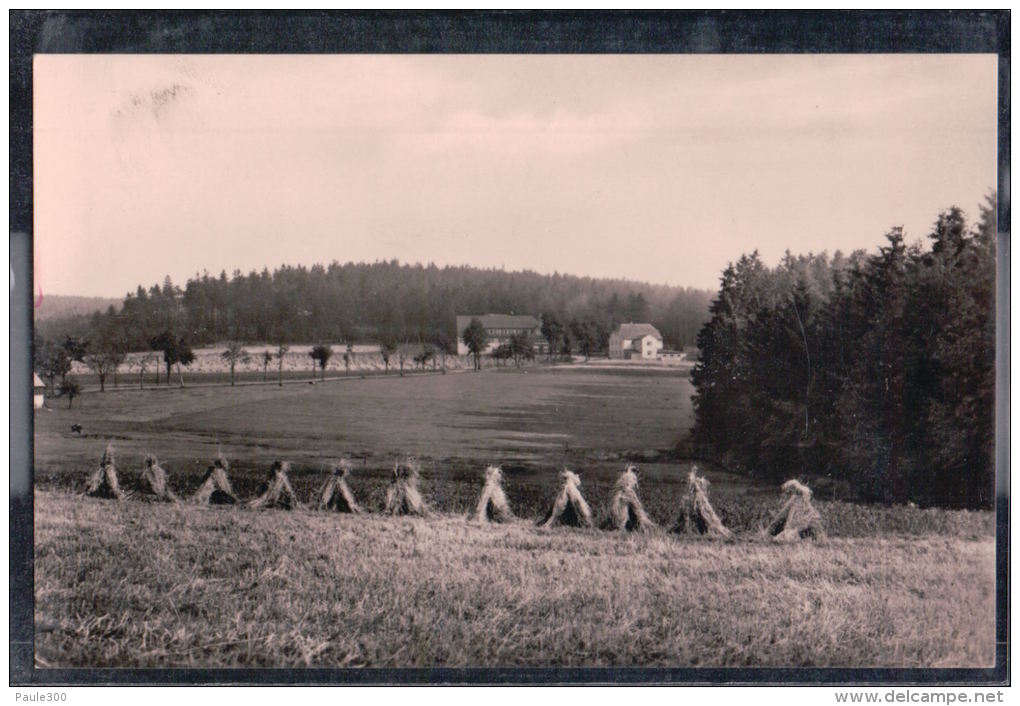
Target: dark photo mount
527,32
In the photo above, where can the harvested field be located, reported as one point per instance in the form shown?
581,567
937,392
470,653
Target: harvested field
467,422
165,585
889,586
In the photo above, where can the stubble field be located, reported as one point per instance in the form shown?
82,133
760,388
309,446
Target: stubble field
134,584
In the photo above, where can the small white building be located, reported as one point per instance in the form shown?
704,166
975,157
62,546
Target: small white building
38,390
641,341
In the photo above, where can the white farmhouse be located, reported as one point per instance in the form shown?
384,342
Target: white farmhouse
635,341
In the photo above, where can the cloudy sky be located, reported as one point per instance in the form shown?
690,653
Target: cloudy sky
657,168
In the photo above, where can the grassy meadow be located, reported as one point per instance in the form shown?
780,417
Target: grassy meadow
136,584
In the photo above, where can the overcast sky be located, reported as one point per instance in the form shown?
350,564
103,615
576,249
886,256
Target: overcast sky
657,168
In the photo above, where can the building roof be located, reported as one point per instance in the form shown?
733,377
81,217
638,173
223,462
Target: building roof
37,381
634,331
501,321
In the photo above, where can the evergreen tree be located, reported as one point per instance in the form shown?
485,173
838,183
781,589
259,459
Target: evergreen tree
879,370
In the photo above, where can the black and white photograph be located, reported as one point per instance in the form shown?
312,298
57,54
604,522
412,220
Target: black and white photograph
346,361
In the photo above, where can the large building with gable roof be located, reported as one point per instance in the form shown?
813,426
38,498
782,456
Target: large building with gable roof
500,327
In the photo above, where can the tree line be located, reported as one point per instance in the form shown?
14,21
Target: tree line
877,369
366,302
384,302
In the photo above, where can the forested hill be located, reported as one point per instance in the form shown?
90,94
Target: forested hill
369,302
55,306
